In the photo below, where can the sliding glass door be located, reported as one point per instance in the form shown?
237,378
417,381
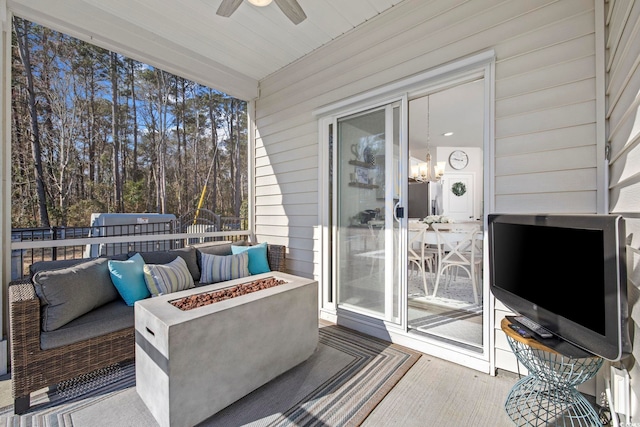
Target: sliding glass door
367,189
394,160
445,291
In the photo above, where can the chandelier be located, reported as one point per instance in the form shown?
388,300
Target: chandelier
422,171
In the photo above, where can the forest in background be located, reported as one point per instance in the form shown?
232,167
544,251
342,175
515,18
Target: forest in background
93,131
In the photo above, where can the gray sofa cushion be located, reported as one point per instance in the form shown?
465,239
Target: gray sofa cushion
111,317
54,265
68,293
64,263
165,257
214,248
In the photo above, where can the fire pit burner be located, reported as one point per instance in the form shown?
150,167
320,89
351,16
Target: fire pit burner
206,298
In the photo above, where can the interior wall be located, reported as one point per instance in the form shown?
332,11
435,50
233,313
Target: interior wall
545,139
623,111
475,166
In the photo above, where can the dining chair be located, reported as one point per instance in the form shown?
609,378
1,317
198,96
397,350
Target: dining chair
458,248
376,237
418,255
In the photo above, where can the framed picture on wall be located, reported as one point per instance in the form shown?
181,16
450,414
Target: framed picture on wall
362,175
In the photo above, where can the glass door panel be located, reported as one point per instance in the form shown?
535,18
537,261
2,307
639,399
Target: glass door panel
367,156
454,311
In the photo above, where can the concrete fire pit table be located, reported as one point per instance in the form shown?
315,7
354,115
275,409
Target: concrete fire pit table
191,364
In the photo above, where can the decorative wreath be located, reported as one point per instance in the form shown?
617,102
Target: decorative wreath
458,188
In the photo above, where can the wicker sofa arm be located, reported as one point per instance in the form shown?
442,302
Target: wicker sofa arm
24,317
24,336
276,257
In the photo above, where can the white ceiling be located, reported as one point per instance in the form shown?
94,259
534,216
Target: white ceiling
459,109
187,38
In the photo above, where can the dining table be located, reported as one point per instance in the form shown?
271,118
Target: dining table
451,236
430,234
377,226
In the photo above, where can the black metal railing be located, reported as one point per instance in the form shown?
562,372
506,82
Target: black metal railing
22,258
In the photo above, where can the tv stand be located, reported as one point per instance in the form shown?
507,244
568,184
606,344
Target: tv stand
548,395
554,343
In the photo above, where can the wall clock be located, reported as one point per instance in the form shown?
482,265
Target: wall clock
458,159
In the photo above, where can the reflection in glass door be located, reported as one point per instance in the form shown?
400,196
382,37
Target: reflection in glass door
367,188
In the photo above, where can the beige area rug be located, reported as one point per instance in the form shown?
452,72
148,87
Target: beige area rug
453,293
339,385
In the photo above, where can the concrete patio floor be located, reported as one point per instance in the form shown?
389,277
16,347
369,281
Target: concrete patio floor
433,392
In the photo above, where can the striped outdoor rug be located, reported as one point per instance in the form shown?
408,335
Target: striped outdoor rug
339,385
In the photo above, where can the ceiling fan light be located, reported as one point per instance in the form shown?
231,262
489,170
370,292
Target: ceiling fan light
260,3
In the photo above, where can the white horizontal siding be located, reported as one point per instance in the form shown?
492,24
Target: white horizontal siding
627,166
550,77
293,154
624,58
288,187
562,160
625,198
546,182
573,202
626,126
559,117
577,92
554,139
291,209
302,164
623,92
624,109
288,180
580,47
505,359
633,271
545,106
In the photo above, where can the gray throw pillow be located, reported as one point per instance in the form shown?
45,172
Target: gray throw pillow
68,293
188,254
216,248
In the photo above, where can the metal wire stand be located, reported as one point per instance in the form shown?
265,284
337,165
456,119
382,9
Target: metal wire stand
548,395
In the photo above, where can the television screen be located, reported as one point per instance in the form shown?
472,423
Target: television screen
566,273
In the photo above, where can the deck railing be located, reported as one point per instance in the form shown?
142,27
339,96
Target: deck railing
29,245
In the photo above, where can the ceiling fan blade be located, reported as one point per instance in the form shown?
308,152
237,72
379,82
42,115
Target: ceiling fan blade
227,7
292,9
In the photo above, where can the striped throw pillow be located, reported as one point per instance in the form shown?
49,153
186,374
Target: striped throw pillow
216,268
166,278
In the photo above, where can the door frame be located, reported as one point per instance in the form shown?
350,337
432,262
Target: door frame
477,66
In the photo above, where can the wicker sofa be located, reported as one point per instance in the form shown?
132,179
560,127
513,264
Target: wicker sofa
101,337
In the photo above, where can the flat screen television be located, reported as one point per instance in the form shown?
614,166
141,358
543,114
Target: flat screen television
567,273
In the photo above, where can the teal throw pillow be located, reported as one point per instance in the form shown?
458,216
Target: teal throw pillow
258,262
128,278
